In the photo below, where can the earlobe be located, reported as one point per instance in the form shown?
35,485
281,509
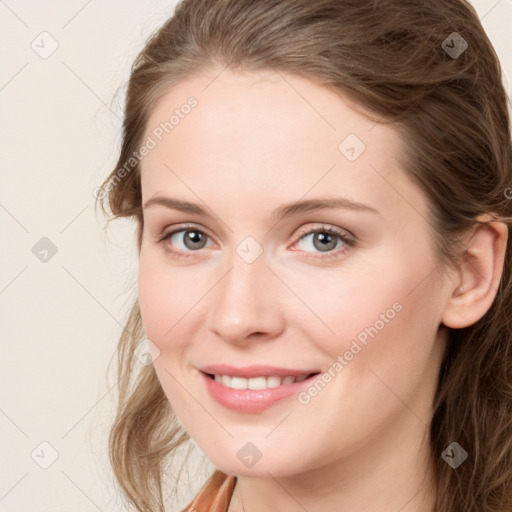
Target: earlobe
479,274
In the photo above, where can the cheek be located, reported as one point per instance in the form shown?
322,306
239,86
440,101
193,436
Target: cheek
386,333
384,347
384,324
170,297
158,300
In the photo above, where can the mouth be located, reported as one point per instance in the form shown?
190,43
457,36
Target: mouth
255,393
259,382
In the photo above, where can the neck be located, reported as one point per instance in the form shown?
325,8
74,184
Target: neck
391,473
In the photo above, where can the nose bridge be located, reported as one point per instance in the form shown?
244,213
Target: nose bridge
246,298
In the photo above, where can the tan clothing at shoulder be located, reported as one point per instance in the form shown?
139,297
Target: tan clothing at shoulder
215,495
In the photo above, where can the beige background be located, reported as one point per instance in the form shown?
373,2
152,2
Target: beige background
61,317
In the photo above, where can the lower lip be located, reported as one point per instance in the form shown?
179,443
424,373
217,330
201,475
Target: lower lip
252,400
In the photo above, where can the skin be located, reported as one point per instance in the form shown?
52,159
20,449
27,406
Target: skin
255,141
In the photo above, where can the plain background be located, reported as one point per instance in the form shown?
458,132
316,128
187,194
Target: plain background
62,310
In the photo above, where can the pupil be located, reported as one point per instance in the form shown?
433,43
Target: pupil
194,237
326,239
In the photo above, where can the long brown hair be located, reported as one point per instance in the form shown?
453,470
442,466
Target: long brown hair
406,62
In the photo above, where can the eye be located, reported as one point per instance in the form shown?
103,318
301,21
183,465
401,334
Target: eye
324,239
330,241
183,240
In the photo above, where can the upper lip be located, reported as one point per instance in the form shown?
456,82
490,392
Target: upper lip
255,371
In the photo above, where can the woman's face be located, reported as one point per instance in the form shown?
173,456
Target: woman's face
351,292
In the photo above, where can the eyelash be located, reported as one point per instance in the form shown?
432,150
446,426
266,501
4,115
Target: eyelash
346,239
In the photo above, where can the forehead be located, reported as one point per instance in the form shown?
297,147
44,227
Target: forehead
266,107
272,135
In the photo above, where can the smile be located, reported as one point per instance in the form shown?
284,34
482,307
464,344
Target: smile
261,382
256,393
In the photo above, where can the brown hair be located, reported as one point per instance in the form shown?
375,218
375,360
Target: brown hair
452,111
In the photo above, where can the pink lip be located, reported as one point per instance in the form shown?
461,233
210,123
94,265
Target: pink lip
252,400
255,371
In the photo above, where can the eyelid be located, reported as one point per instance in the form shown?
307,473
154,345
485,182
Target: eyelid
181,227
326,227
347,238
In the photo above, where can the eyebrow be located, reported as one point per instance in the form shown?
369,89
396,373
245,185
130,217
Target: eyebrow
284,211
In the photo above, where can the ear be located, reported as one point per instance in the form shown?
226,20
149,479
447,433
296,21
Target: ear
479,273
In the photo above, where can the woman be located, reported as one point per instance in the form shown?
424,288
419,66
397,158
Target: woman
322,196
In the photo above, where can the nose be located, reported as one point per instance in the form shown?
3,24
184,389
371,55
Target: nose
247,303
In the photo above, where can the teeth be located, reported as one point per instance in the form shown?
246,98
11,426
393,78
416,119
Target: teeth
256,382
